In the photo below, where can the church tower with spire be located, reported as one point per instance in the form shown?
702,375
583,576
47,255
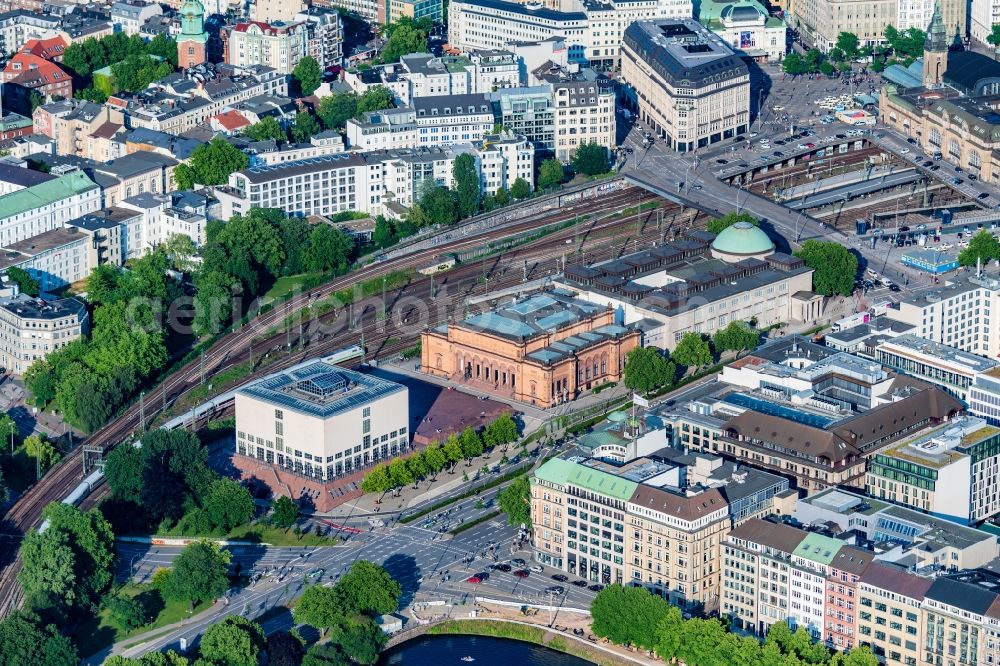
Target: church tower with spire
193,38
935,50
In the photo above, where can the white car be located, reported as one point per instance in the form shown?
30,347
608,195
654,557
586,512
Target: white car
904,151
779,108
753,134
537,568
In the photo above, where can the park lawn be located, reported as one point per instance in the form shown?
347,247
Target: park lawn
96,631
286,285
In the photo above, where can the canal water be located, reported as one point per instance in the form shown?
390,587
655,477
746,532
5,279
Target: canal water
487,651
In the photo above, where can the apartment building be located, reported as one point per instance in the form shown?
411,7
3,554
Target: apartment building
72,124
691,87
369,181
54,259
957,610
47,205
527,111
584,108
31,329
319,422
129,15
950,471
700,283
277,45
182,101
963,313
594,28
273,11
26,73
324,35
657,521
889,613
842,594
430,121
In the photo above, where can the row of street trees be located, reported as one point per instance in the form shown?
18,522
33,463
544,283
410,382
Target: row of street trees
633,616
134,62
436,457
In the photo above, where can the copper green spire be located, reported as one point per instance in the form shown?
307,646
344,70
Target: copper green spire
937,35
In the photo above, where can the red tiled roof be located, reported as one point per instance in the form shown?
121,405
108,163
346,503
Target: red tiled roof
232,120
49,49
26,68
266,28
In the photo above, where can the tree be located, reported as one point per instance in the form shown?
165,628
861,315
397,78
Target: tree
520,189
994,37
435,458
306,127
329,249
126,612
515,501
405,36
236,641
181,251
375,98
550,174
692,351
591,159
198,574
267,128
72,560
24,641
737,336
718,224
471,442
367,589
42,450
646,368
794,65
452,449
503,430
284,512
834,266
284,649
27,284
982,248
438,205
399,473
175,473
668,634
467,186
848,43
628,615
359,638
210,164
308,75
377,480
336,110
164,47
417,467
325,654
318,607
228,504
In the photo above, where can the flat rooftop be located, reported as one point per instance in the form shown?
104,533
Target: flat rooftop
538,314
35,308
943,445
321,389
928,350
15,253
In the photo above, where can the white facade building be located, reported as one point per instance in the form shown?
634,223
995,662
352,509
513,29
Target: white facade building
129,15
597,29
277,45
431,121
46,206
31,329
322,421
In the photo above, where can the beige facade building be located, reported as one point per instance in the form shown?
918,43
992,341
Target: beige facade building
31,329
890,617
277,45
271,11
584,109
824,20
655,521
691,87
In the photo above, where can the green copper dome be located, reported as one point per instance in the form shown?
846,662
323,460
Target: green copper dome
743,239
193,21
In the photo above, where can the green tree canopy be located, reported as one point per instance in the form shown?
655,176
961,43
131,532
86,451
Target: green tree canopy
982,247
228,504
405,36
375,98
307,75
329,249
27,284
23,641
285,512
692,351
628,615
318,607
515,501
647,368
550,174
994,37
848,44
737,336
126,612
834,266
520,189
367,588
467,187
236,641
337,109
266,128
591,159
210,164
306,127
198,574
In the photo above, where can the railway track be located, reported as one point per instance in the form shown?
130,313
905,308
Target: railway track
234,348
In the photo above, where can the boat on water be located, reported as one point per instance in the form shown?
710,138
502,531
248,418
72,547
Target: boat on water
468,658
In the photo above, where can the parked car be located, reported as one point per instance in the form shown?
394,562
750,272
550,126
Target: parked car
522,573
580,583
983,195
537,568
555,589
596,587
560,577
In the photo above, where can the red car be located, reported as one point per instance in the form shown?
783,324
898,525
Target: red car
522,573
474,579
